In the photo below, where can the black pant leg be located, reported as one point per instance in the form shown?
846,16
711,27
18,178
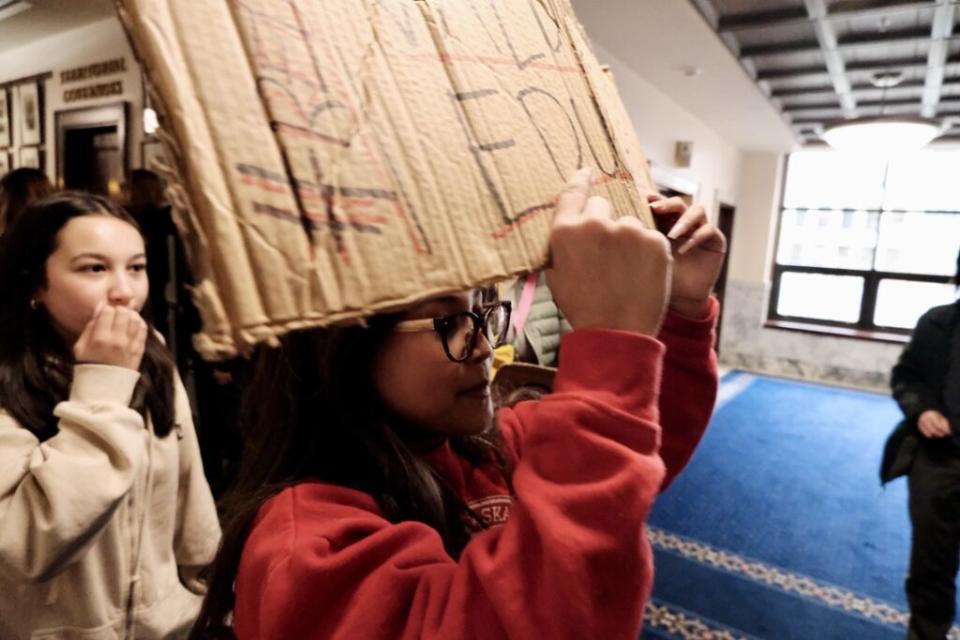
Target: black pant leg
934,485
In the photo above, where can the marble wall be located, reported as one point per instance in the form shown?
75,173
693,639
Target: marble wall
746,344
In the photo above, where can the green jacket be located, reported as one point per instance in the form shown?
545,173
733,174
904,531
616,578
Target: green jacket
539,341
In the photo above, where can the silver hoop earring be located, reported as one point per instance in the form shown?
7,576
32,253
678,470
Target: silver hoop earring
34,304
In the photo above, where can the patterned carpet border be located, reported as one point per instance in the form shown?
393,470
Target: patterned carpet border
769,575
685,625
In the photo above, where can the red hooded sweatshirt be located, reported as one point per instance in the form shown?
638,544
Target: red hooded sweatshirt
566,556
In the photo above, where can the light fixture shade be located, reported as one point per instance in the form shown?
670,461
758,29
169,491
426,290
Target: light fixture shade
150,121
882,136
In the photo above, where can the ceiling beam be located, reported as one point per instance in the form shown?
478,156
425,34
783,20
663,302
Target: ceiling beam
952,104
791,72
820,106
843,9
800,108
762,19
827,39
709,13
870,66
832,104
856,86
946,108
796,46
803,91
895,102
859,41
806,122
874,66
940,32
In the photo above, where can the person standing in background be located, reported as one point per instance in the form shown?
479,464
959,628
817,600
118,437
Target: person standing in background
167,268
925,446
218,386
19,188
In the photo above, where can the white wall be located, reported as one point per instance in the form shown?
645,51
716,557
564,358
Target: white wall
755,220
660,123
95,42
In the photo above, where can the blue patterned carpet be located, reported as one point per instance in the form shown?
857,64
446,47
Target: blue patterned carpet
779,528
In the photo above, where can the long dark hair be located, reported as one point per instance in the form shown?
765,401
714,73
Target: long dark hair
36,366
19,188
314,413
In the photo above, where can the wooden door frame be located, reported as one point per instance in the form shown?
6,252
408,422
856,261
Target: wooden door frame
115,114
726,214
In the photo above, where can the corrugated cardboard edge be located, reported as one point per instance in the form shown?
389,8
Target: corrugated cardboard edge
216,340
610,105
219,339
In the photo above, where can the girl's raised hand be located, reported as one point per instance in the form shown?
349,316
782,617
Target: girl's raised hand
605,273
698,252
115,335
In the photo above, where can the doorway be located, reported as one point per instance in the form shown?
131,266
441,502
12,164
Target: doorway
725,224
92,149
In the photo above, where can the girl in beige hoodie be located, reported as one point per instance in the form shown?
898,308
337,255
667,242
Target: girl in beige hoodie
106,519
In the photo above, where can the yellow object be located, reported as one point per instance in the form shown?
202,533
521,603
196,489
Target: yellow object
505,354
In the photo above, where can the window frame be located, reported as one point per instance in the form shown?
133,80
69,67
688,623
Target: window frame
864,327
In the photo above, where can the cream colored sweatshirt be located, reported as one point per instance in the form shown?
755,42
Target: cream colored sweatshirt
104,526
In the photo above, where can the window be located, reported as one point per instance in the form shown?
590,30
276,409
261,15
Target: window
865,243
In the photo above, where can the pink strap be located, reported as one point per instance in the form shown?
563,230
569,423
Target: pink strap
526,302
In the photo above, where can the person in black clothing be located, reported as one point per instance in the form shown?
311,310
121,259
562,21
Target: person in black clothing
218,385
926,447
169,306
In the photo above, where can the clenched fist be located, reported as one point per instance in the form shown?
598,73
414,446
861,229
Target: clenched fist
605,273
699,249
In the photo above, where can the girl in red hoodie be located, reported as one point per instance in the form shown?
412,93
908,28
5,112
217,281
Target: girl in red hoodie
378,500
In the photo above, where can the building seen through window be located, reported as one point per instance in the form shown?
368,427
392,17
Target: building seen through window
866,243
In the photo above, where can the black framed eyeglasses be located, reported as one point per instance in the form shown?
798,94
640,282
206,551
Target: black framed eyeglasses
459,331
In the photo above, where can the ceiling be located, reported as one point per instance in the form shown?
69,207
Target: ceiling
675,37
815,59
811,59
662,41
44,18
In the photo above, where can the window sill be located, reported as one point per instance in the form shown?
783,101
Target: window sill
839,332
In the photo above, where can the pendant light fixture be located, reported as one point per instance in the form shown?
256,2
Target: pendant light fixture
882,135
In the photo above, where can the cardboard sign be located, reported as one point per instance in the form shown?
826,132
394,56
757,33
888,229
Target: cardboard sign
336,158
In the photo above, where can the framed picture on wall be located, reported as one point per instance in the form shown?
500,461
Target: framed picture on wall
29,157
6,132
30,113
4,163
